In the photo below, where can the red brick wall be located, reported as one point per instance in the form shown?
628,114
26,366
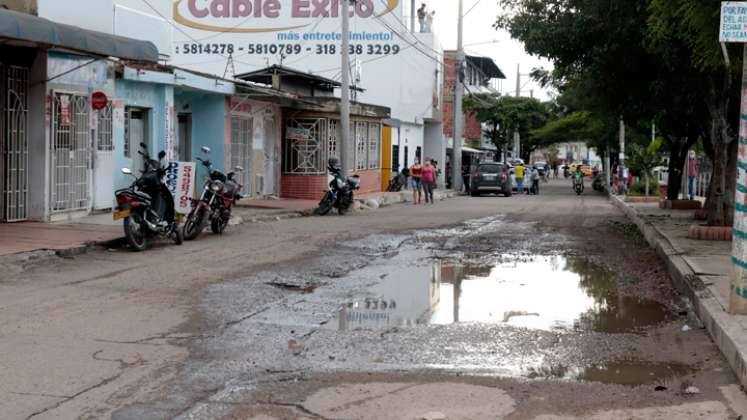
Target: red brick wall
472,129
312,187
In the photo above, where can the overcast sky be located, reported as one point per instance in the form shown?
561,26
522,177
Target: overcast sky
507,53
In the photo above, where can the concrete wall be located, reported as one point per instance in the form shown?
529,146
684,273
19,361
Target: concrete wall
39,123
209,127
410,136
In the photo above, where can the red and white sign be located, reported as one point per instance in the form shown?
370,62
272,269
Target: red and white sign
99,100
180,179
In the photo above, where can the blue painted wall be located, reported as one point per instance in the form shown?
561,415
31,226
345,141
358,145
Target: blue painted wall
208,123
152,97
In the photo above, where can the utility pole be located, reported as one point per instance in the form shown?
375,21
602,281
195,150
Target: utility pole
412,16
345,91
456,160
621,171
517,136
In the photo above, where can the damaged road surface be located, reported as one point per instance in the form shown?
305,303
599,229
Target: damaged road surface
547,307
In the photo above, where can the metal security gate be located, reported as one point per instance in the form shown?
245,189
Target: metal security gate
14,146
271,158
241,150
103,163
70,150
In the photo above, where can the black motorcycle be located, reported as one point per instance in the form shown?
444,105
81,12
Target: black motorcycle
219,194
341,188
398,182
147,205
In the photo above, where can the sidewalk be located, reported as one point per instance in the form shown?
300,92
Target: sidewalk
700,270
77,236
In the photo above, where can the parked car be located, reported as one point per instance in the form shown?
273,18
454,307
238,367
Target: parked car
542,167
490,178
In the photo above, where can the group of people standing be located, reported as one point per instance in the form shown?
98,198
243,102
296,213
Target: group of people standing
425,19
423,180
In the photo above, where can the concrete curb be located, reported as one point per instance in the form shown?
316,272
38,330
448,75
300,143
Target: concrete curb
725,331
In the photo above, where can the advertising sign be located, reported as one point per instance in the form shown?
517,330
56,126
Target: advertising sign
302,34
180,178
733,22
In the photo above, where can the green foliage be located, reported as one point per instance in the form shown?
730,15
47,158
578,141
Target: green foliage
639,187
576,126
643,160
504,114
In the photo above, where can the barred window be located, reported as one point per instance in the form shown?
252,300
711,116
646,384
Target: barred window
305,146
361,141
374,135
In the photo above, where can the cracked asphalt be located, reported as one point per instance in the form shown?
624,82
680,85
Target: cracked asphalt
273,321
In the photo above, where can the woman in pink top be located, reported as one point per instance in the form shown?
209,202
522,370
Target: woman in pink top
429,181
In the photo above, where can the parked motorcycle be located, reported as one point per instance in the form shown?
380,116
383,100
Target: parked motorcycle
398,182
219,194
598,183
147,206
341,188
578,183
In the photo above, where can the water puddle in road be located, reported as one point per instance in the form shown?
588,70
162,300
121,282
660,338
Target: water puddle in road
538,292
621,373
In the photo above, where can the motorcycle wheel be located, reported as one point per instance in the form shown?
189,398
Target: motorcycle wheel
193,225
136,235
324,206
218,225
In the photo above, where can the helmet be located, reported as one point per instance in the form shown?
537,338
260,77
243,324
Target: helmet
333,164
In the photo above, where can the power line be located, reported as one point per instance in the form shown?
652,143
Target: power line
404,26
471,8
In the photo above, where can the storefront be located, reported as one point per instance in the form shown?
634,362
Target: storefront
310,138
48,73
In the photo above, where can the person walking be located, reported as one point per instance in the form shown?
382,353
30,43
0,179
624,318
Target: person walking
535,177
421,17
429,181
555,171
519,172
692,174
416,182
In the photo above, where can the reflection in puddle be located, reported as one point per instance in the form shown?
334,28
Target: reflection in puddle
542,293
545,293
401,298
620,373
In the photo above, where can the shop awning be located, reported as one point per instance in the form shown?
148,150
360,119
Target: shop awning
42,32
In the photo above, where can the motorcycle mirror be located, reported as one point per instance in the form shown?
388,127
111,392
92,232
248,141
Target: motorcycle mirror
161,154
205,149
126,171
239,169
143,145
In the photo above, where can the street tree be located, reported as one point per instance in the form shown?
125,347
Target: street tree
505,114
643,159
646,61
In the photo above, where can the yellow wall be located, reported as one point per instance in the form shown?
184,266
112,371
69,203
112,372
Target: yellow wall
386,157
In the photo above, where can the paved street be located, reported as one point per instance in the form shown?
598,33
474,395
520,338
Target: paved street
548,307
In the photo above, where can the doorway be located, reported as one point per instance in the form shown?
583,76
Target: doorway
241,150
71,153
14,146
103,162
185,137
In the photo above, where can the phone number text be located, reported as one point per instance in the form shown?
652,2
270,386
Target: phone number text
287,49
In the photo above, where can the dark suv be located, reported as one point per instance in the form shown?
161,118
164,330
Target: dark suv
490,178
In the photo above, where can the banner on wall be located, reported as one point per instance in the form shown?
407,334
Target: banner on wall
302,33
180,179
